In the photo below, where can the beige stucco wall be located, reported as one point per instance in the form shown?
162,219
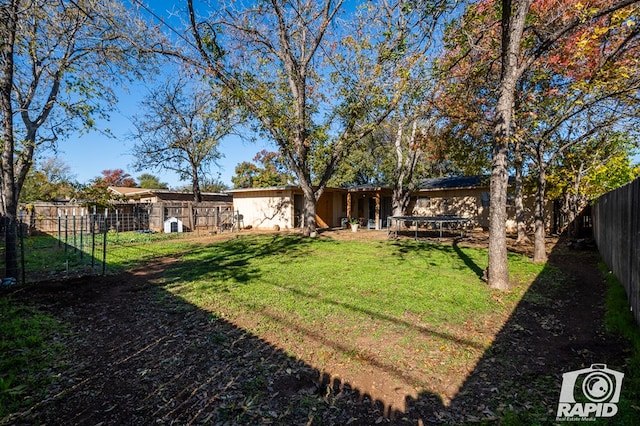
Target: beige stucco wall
469,203
265,209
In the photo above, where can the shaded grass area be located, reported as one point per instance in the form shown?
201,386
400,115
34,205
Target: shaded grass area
26,349
619,319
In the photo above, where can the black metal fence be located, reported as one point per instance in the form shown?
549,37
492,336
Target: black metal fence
74,242
77,247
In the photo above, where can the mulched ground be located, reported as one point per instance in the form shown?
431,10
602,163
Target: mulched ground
136,355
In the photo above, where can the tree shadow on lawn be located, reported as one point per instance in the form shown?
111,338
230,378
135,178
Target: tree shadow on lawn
140,355
232,258
557,327
467,260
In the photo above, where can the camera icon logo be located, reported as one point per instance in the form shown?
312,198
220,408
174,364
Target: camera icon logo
590,392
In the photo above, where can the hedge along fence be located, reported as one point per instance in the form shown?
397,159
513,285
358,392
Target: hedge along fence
616,229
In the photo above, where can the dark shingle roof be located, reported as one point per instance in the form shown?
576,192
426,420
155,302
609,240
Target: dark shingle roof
454,182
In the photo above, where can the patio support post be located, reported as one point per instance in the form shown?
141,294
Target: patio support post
349,205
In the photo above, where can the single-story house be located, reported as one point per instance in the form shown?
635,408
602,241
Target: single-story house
468,197
464,196
282,206
460,196
370,204
142,195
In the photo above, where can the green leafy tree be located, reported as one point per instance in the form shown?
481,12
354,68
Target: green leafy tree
214,185
531,34
364,164
615,172
57,62
267,169
149,181
245,173
51,180
399,154
97,192
315,77
588,170
95,195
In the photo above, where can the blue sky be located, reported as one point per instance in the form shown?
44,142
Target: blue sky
88,154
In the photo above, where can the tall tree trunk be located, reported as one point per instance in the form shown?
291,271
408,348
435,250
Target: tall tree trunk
498,270
195,185
400,201
8,17
573,207
405,167
519,194
539,244
310,207
512,30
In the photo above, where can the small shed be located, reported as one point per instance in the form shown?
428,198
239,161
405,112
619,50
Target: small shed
173,224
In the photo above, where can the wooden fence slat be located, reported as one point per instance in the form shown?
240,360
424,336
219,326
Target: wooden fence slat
616,229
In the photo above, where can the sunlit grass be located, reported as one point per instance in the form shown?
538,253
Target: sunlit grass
46,254
314,279
419,309
619,319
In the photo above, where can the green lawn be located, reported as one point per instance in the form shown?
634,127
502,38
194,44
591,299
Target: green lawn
395,308
352,280
414,315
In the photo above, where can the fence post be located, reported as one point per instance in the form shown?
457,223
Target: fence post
93,238
104,244
81,232
59,228
75,245
21,236
66,233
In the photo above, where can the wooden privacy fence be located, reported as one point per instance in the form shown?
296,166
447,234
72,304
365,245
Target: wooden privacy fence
207,216
616,229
